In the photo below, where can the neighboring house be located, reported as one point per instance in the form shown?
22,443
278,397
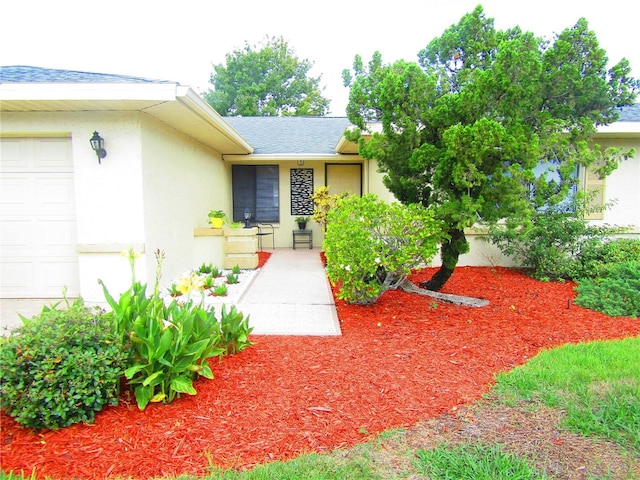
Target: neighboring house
65,218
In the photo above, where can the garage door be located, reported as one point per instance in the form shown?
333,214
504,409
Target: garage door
38,256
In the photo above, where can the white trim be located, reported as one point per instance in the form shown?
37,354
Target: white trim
273,157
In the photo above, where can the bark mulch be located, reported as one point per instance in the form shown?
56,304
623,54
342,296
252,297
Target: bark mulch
402,361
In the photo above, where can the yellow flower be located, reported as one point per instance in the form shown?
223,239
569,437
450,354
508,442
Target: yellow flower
188,282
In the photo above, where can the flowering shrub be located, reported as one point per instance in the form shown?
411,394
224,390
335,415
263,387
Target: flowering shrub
371,245
323,203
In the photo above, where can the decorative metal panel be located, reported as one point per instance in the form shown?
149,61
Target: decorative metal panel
301,191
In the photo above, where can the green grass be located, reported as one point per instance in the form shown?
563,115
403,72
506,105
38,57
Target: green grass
474,462
597,383
307,467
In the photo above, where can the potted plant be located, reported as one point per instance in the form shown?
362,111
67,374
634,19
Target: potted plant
302,222
216,218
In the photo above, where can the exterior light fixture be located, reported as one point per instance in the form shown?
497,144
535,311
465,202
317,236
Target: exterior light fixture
247,217
97,143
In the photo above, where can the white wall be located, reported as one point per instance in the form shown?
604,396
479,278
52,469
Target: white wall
623,187
182,181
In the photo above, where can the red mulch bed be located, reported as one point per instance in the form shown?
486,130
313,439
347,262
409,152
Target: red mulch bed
403,360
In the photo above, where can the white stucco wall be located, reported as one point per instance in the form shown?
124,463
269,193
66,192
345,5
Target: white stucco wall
182,181
622,187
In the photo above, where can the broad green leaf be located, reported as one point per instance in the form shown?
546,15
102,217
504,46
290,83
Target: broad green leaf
151,378
197,347
131,371
206,371
143,396
183,384
164,344
182,364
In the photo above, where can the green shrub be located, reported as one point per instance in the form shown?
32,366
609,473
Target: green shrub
617,293
597,259
551,241
371,245
60,367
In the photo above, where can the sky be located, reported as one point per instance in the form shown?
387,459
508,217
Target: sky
182,40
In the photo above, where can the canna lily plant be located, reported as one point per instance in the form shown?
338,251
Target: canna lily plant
169,344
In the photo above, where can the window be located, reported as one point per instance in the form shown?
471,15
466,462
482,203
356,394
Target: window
256,187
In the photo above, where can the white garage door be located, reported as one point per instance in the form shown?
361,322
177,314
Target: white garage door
37,219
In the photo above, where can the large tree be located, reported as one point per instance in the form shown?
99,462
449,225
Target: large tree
464,132
266,80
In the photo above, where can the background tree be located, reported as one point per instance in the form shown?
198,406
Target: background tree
266,81
464,131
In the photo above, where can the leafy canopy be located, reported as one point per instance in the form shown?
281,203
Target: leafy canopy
467,129
266,81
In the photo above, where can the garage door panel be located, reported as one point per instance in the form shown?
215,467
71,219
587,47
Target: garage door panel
13,154
17,236
52,155
55,194
17,277
17,197
49,278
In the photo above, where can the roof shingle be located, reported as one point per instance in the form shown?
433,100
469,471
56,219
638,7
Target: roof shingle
27,74
301,135
630,113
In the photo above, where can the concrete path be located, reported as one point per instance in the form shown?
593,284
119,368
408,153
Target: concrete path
290,295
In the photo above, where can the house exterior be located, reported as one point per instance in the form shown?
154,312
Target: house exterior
66,217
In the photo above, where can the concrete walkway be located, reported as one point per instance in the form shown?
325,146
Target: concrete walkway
290,295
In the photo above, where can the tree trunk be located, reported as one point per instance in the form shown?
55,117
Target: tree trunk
409,287
450,253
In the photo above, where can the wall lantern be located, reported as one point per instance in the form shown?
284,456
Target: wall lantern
97,143
247,217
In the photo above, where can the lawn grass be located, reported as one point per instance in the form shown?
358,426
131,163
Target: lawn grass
474,461
597,384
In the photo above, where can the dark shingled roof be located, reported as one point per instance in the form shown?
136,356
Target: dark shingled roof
302,135
630,114
26,74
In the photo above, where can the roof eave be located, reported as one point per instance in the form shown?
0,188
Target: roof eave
175,105
287,157
619,130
